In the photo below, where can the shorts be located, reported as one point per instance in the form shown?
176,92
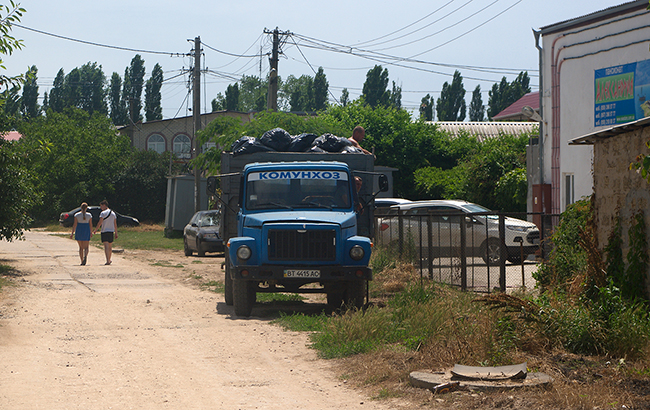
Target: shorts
107,237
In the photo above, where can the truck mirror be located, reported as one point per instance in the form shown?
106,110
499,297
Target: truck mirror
212,185
383,183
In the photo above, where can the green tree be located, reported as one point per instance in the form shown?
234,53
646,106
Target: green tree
133,84
503,94
152,95
231,102
345,97
218,103
476,107
57,94
29,101
300,92
85,155
117,105
451,104
9,14
375,92
321,90
91,89
253,93
396,97
426,108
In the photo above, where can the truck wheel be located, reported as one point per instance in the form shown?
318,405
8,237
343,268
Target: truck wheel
244,297
356,293
228,285
334,299
198,248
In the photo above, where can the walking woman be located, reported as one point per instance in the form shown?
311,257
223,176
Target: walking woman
83,226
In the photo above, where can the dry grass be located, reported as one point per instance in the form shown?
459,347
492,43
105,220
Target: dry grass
580,382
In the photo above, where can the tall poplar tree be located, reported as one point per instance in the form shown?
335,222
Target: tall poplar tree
231,101
451,104
321,89
117,106
57,94
426,108
503,94
476,107
133,84
152,95
375,91
29,102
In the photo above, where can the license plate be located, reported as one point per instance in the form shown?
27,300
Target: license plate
302,273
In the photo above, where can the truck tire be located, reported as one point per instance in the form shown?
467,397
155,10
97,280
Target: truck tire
334,299
244,297
227,284
356,294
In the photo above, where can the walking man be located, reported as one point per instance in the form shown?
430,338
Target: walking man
108,223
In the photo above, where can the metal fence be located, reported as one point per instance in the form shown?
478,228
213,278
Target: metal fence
481,252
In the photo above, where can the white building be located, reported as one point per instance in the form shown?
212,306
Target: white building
595,73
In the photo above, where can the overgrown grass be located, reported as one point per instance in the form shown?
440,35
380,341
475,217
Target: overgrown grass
4,270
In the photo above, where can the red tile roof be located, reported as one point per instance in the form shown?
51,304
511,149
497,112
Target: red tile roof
12,136
514,110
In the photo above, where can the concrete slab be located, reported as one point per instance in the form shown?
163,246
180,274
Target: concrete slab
429,380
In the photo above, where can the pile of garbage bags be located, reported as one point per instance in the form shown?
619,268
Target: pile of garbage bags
280,140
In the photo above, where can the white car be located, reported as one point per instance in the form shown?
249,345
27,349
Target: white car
388,202
481,228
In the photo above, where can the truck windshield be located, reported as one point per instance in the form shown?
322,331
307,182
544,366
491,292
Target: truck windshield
291,189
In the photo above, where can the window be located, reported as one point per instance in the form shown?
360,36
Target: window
156,143
569,195
182,146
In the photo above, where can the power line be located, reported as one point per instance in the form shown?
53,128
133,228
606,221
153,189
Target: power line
99,44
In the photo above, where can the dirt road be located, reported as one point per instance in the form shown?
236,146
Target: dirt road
134,336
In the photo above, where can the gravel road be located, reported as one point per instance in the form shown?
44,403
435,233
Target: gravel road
139,334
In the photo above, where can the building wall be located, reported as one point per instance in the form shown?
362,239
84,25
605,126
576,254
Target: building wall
618,189
170,128
570,57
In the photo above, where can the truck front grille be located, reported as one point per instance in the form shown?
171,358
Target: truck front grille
307,245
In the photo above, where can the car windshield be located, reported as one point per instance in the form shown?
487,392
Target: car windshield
474,208
300,188
211,219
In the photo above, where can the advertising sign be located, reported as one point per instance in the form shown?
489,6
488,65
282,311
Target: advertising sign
622,93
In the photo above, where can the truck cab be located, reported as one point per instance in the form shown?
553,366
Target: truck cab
297,231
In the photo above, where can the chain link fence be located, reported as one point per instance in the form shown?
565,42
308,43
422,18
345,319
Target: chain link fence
481,252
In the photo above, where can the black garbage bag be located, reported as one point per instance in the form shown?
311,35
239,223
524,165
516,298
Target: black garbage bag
277,138
314,148
351,150
331,143
248,145
302,142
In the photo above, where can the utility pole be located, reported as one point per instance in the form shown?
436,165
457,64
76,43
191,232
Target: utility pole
196,111
272,100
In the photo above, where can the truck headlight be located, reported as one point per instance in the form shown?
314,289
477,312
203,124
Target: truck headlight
357,252
244,252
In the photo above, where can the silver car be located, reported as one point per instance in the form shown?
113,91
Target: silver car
444,217
201,234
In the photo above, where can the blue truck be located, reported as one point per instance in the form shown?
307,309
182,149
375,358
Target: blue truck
295,223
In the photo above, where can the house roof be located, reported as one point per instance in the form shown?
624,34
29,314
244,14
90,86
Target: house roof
513,112
12,136
601,135
595,16
485,130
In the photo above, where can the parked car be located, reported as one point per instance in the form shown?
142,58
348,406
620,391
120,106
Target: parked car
388,202
482,230
201,234
67,218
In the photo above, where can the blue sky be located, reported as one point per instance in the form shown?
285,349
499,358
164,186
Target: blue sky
484,39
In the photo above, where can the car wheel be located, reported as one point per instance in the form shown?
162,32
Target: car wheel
491,252
186,248
199,251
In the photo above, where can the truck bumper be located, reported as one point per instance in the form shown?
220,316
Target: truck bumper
279,273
